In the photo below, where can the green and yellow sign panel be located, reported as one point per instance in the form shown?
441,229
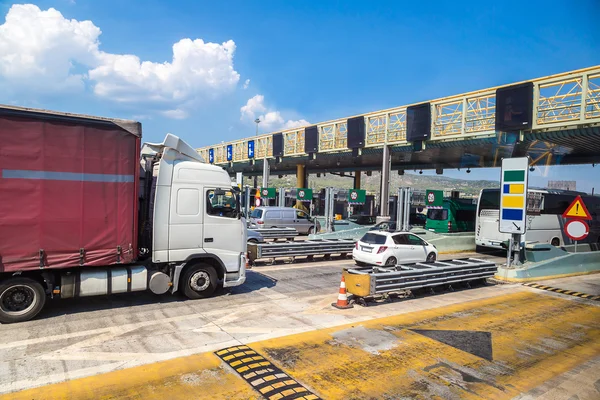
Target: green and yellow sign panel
513,195
304,194
357,196
268,193
434,198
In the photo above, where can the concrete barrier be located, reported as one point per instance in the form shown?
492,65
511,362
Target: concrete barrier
544,261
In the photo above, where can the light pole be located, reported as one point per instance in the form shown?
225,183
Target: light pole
257,121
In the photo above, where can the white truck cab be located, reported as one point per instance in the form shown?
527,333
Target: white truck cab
197,223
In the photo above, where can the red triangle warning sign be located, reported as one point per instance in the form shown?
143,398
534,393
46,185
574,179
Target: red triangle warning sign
577,210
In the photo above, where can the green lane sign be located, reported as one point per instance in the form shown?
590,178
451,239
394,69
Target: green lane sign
304,194
434,198
357,196
268,193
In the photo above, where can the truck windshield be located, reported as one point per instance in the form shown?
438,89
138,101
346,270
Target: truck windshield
256,214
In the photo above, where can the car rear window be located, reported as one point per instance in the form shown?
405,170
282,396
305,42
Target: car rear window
256,213
372,238
437,214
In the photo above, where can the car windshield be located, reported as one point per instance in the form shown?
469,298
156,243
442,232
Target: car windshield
373,238
256,213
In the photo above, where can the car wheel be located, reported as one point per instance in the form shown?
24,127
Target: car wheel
555,242
391,261
253,241
199,281
431,257
21,299
311,230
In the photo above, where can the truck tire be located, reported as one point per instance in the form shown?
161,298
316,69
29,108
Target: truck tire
199,281
21,299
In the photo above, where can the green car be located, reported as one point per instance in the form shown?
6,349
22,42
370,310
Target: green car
454,216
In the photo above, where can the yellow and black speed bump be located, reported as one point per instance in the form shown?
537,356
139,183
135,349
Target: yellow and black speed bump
270,381
563,291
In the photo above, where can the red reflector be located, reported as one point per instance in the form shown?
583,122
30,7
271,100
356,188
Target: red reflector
356,245
260,222
381,249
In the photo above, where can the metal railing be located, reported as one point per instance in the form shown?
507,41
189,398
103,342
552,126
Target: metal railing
276,233
570,98
420,275
297,249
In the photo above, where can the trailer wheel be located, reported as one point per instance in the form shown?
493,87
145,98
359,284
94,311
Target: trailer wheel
199,281
21,299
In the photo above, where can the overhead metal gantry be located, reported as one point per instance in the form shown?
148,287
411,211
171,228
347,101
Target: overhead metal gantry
462,133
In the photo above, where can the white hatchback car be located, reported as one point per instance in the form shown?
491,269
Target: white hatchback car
391,248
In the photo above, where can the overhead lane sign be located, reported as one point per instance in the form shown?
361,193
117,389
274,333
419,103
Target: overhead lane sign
513,194
577,210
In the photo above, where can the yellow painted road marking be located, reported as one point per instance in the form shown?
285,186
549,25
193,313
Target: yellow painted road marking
534,338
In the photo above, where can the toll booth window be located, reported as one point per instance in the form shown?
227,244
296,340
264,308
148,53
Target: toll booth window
437,214
220,203
465,215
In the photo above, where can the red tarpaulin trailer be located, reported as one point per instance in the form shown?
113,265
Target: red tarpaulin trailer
68,190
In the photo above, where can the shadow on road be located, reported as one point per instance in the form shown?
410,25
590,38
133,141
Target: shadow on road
58,307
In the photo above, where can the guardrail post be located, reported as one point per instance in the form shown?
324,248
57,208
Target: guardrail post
384,207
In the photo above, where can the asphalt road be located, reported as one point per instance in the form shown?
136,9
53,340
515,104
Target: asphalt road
77,338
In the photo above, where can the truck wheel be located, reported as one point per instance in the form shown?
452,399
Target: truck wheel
21,299
199,281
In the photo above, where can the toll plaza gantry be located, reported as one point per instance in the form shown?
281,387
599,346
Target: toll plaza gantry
555,120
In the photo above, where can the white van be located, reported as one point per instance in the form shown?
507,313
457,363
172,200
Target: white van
283,217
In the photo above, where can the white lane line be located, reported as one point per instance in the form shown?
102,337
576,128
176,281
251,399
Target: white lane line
126,327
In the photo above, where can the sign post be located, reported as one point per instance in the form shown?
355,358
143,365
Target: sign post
576,228
513,204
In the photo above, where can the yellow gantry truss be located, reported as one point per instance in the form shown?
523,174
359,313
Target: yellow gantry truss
561,101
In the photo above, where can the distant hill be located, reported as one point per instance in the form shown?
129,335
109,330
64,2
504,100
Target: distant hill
371,183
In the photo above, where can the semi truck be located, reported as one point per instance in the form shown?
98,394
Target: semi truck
86,209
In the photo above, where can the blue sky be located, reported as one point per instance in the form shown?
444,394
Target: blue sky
305,61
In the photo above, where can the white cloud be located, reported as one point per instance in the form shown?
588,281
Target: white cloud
246,84
38,49
270,120
43,52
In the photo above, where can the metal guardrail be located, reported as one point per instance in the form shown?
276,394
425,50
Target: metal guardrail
294,249
276,233
364,282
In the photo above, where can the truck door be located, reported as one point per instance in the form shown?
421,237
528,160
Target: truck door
224,233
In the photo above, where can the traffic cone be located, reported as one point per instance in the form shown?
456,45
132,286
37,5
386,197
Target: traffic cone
342,301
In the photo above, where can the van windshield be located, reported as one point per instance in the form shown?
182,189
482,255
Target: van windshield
256,213
437,214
